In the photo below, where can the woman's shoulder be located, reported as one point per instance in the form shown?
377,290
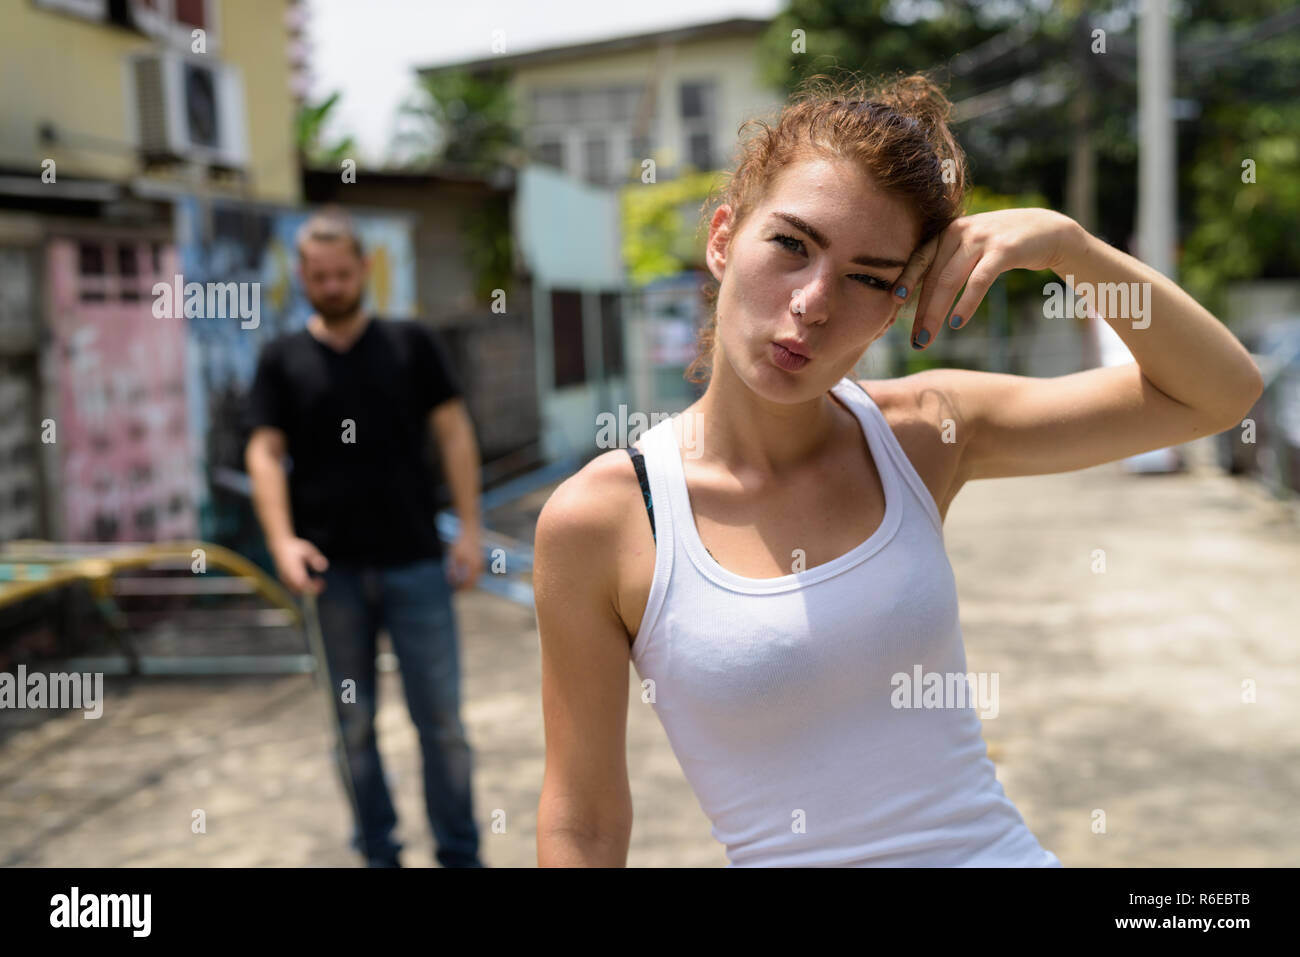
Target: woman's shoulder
586,533
928,426
889,395
589,511
915,400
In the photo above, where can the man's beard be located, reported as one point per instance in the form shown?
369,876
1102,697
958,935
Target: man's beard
331,313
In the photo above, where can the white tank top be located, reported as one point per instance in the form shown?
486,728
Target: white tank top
778,694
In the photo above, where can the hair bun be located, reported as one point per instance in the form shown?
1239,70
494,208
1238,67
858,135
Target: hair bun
916,96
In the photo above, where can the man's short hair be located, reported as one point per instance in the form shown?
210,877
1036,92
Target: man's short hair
330,224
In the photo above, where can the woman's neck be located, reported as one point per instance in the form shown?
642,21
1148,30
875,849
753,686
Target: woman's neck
739,429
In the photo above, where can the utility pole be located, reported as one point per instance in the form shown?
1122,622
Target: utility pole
1081,178
1157,186
1157,139
1081,172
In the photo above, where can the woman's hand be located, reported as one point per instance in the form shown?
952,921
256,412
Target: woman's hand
975,250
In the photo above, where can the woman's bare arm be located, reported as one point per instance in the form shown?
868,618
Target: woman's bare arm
1190,378
584,817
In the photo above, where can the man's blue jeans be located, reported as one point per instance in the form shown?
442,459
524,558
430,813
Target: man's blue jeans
413,603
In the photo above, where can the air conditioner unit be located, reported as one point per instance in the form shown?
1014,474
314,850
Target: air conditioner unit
190,108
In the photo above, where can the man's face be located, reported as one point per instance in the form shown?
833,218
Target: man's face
775,267
333,277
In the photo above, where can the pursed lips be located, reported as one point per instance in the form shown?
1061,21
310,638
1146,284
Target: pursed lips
792,345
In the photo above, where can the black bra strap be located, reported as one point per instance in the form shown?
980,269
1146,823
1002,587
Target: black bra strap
638,461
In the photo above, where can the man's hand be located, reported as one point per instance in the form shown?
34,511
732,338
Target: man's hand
293,557
465,561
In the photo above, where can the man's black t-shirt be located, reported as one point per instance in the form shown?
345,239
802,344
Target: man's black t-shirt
361,486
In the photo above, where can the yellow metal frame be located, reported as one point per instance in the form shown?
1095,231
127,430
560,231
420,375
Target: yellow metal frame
44,566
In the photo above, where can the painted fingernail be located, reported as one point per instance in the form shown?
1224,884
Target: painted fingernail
901,292
955,321
921,339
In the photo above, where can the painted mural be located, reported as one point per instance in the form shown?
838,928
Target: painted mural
121,429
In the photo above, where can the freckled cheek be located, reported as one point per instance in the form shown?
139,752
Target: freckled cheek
756,297
860,333
760,283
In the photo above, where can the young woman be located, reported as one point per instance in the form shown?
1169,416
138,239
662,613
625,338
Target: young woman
782,563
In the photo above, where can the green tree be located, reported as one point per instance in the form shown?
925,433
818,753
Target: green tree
1243,83
462,119
468,121
309,128
1241,229
1034,91
660,226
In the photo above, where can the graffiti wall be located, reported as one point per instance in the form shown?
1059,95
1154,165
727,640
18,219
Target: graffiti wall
121,428
152,380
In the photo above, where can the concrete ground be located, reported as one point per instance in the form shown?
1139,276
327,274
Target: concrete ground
1121,699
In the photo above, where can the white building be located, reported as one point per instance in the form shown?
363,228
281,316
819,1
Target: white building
592,114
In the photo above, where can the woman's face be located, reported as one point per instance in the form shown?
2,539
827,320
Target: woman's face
791,274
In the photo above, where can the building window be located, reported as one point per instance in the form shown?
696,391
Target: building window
572,105
642,147
548,106
128,270
91,275
596,159
105,528
600,106
694,101
90,259
549,152
175,20
611,332
567,340
559,105
146,520
588,132
192,13
90,9
157,18
698,111
699,150
623,102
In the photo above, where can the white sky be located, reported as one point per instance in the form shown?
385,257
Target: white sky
369,48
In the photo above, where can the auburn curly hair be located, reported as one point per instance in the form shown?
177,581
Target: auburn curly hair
896,129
